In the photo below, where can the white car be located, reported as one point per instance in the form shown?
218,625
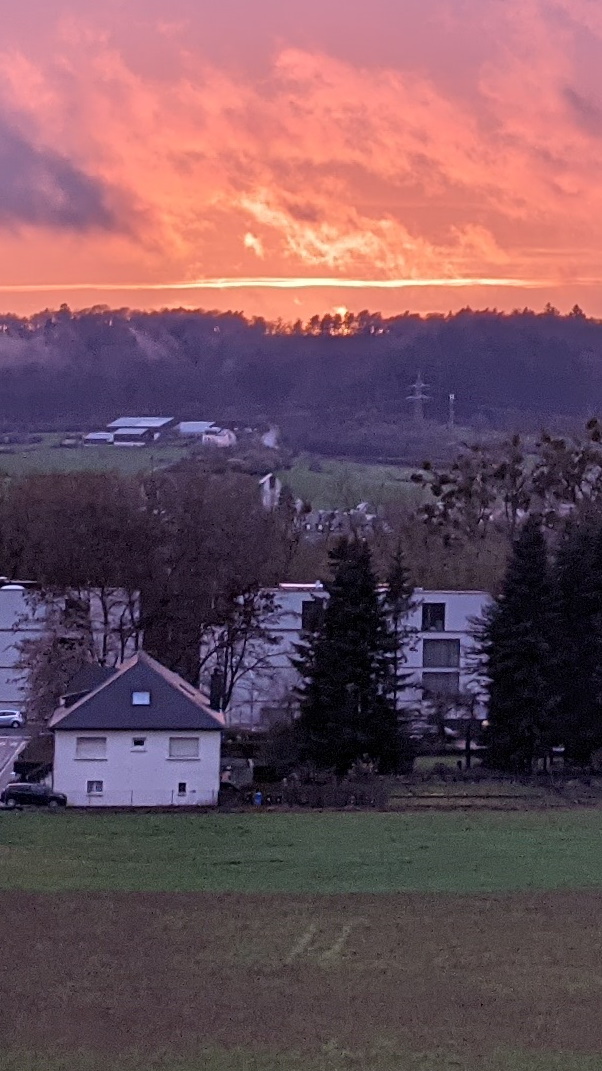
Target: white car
13,718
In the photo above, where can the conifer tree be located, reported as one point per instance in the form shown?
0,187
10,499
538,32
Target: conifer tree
346,708
397,603
577,639
515,644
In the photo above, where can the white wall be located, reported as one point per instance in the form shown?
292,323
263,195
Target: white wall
17,622
268,688
23,615
136,778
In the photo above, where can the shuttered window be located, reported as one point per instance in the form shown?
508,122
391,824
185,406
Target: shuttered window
91,747
183,747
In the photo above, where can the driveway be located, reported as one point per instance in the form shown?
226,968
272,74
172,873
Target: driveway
12,742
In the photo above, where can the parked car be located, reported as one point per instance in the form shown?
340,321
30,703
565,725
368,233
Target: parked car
26,795
14,718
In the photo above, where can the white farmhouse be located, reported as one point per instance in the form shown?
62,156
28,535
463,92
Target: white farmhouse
439,654
142,737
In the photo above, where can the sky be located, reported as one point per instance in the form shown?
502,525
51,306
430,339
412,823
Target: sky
288,157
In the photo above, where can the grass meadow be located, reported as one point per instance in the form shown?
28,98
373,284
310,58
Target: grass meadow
344,484
47,456
301,942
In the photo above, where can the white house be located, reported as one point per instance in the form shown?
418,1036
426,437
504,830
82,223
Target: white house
221,437
142,737
439,654
270,489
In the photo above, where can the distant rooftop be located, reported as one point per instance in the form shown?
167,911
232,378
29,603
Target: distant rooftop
138,431
141,422
195,427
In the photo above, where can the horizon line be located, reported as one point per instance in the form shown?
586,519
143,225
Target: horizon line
281,283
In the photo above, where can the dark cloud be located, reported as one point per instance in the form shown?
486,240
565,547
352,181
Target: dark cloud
42,188
587,113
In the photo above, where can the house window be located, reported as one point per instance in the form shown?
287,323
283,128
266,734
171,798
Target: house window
441,654
94,788
433,617
138,743
181,788
91,747
141,699
183,747
441,683
312,612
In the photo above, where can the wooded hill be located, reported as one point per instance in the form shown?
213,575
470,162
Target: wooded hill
333,384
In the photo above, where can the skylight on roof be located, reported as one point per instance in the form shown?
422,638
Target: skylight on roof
141,699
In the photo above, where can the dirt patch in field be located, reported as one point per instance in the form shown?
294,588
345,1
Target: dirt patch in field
177,972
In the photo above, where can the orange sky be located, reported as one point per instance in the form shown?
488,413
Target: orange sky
291,158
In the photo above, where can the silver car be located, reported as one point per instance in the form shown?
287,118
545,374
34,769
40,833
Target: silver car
14,718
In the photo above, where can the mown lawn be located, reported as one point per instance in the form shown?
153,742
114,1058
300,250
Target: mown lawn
314,853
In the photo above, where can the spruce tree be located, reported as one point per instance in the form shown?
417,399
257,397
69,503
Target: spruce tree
577,639
398,603
346,710
515,643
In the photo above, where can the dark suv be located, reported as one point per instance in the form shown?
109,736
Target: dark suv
25,795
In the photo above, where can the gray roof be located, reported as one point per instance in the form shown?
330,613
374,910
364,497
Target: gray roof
175,705
88,678
140,422
195,427
138,432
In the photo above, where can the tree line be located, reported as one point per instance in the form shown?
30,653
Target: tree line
541,647
333,384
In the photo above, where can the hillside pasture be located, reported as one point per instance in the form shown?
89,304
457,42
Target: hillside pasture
335,484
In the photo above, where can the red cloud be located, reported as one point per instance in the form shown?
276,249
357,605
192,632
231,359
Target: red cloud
321,166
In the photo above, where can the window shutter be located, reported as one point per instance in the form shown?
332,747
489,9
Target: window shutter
91,747
183,747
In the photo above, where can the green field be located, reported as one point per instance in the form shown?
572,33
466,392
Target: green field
344,484
47,456
316,854
301,942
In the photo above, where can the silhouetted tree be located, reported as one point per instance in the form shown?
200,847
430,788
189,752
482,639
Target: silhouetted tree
346,707
516,644
576,657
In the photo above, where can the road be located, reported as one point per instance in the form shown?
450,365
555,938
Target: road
12,742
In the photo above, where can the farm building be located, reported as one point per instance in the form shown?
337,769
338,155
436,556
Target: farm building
155,426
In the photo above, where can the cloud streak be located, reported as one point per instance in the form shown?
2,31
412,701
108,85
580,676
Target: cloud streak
41,188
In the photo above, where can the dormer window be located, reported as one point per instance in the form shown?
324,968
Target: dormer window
141,699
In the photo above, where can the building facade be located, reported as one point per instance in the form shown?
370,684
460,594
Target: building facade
113,615
142,738
439,652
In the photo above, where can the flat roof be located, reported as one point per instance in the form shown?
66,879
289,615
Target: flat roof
197,426
131,431
140,422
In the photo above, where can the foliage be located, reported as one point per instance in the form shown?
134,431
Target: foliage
52,657
346,707
576,665
516,645
335,387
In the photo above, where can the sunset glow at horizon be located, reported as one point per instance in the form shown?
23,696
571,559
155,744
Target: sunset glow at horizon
292,159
